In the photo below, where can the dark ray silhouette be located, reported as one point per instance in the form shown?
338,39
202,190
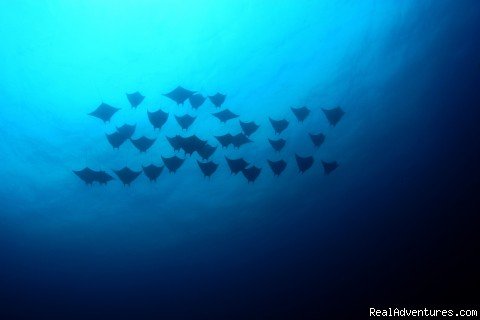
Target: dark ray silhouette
157,118
152,171
236,165
206,151
143,143
317,139
172,163
179,94
126,175
239,140
225,140
278,125
207,168
251,173
90,176
301,113
87,175
248,128
304,163
135,99
277,166
185,121
127,130
116,139
333,115
328,167
104,112
225,115
191,144
102,177
277,144
175,142
218,99
196,100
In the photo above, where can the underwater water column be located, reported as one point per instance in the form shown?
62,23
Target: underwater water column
237,159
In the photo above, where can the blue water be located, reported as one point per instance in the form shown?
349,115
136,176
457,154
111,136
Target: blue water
392,225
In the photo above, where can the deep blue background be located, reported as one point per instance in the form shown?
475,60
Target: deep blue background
395,225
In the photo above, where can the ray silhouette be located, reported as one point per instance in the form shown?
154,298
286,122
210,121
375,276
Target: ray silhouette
175,142
304,163
278,144
278,125
225,115
185,121
143,143
328,167
157,118
196,100
116,139
207,168
317,139
239,140
173,163
152,172
127,175
225,140
236,165
127,130
218,99
301,113
206,151
87,175
251,173
277,166
191,144
90,176
333,115
104,112
249,128
102,177
179,95
135,99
